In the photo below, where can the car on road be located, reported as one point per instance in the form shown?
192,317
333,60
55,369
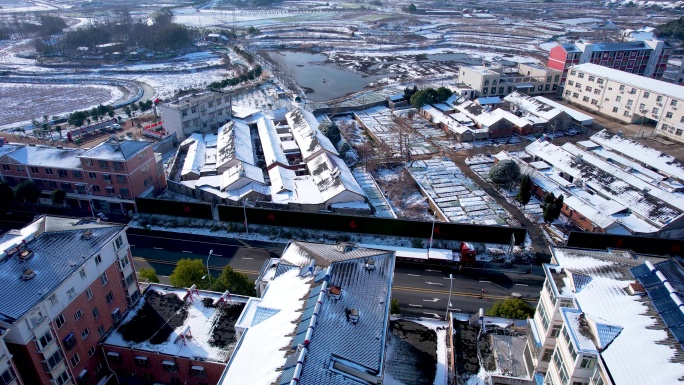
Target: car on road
116,126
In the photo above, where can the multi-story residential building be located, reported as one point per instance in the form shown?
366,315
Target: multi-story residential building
197,113
106,177
646,58
8,371
627,98
499,80
598,308
65,283
175,336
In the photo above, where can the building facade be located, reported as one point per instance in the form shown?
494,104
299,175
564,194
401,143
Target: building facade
105,178
500,80
627,98
66,283
646,58
197,113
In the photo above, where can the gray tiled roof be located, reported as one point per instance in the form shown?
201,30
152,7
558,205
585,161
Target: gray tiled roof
362,343
116,150
56,255
325,254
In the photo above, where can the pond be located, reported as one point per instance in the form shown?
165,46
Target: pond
310,70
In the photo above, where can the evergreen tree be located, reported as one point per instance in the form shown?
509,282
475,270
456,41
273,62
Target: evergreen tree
525,192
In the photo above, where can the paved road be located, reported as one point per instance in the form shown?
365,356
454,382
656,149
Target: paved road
422,290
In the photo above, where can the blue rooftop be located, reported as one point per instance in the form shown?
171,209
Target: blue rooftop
489,100
58,251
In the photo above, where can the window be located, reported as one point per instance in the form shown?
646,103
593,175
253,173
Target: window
118,242
85,333
124,192
54,359
599,81
141,361
673,103
570,82
104,279
679,132
98,259
659,98
101,330
130,279
110,297
578,85
75,360
560,366
170,366
78,174
573,72
555,330
82,273
622,88
59,321
89,294
646,95
592,78
49,171
547,355
107,177
541,310
668,115
103,164
89,162
84,377
581,75
6,167
92,175
123,262
618,98
148,376
53,299
642,106
34,170
121,178
43,341
626,113
615,109
588,89
7,376
198,371
630,102
594,102
585,99
92,351
655,110
96,313
98,368
62,378
575,95
78,314
588,363
597,91
116,314
62,173
71,293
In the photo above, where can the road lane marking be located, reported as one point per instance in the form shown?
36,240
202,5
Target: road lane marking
434,283
433,271
413,275
131,245
189,252
158,248
431,300
247,258
521,284
433,314
485,281
415,305
458,294
217,255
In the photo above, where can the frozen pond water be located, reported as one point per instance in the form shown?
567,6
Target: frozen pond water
310,71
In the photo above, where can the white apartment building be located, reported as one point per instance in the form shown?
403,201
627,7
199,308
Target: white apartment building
627,97
607,318
499,80
197,113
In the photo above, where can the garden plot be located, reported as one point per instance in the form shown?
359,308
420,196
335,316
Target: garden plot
402,193
456,195
381,126
374,194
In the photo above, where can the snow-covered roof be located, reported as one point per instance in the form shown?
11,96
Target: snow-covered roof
306,133
234,142
513,118
240,175
118,150
281,179
662,162
634,342
658,206
575,114
440,117
198,325
263,346
46,156
658,86
195,157
332,176
270,142
533,105
296,301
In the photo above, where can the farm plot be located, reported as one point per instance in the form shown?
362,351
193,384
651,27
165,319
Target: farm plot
456,195
20,99
375,196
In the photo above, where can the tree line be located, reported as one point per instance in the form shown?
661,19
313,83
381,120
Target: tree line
162,35
252,74
419,98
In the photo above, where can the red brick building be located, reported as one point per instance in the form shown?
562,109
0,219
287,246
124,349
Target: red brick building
175,336
66,282
647,58
108,176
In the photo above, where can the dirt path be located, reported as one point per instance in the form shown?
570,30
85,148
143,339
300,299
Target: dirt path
539,243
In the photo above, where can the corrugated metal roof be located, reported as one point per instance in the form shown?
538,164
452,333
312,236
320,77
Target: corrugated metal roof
56,255
325,254
116,150
262,314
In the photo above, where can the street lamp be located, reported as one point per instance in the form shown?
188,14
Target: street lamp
244,211
208,272
451,283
